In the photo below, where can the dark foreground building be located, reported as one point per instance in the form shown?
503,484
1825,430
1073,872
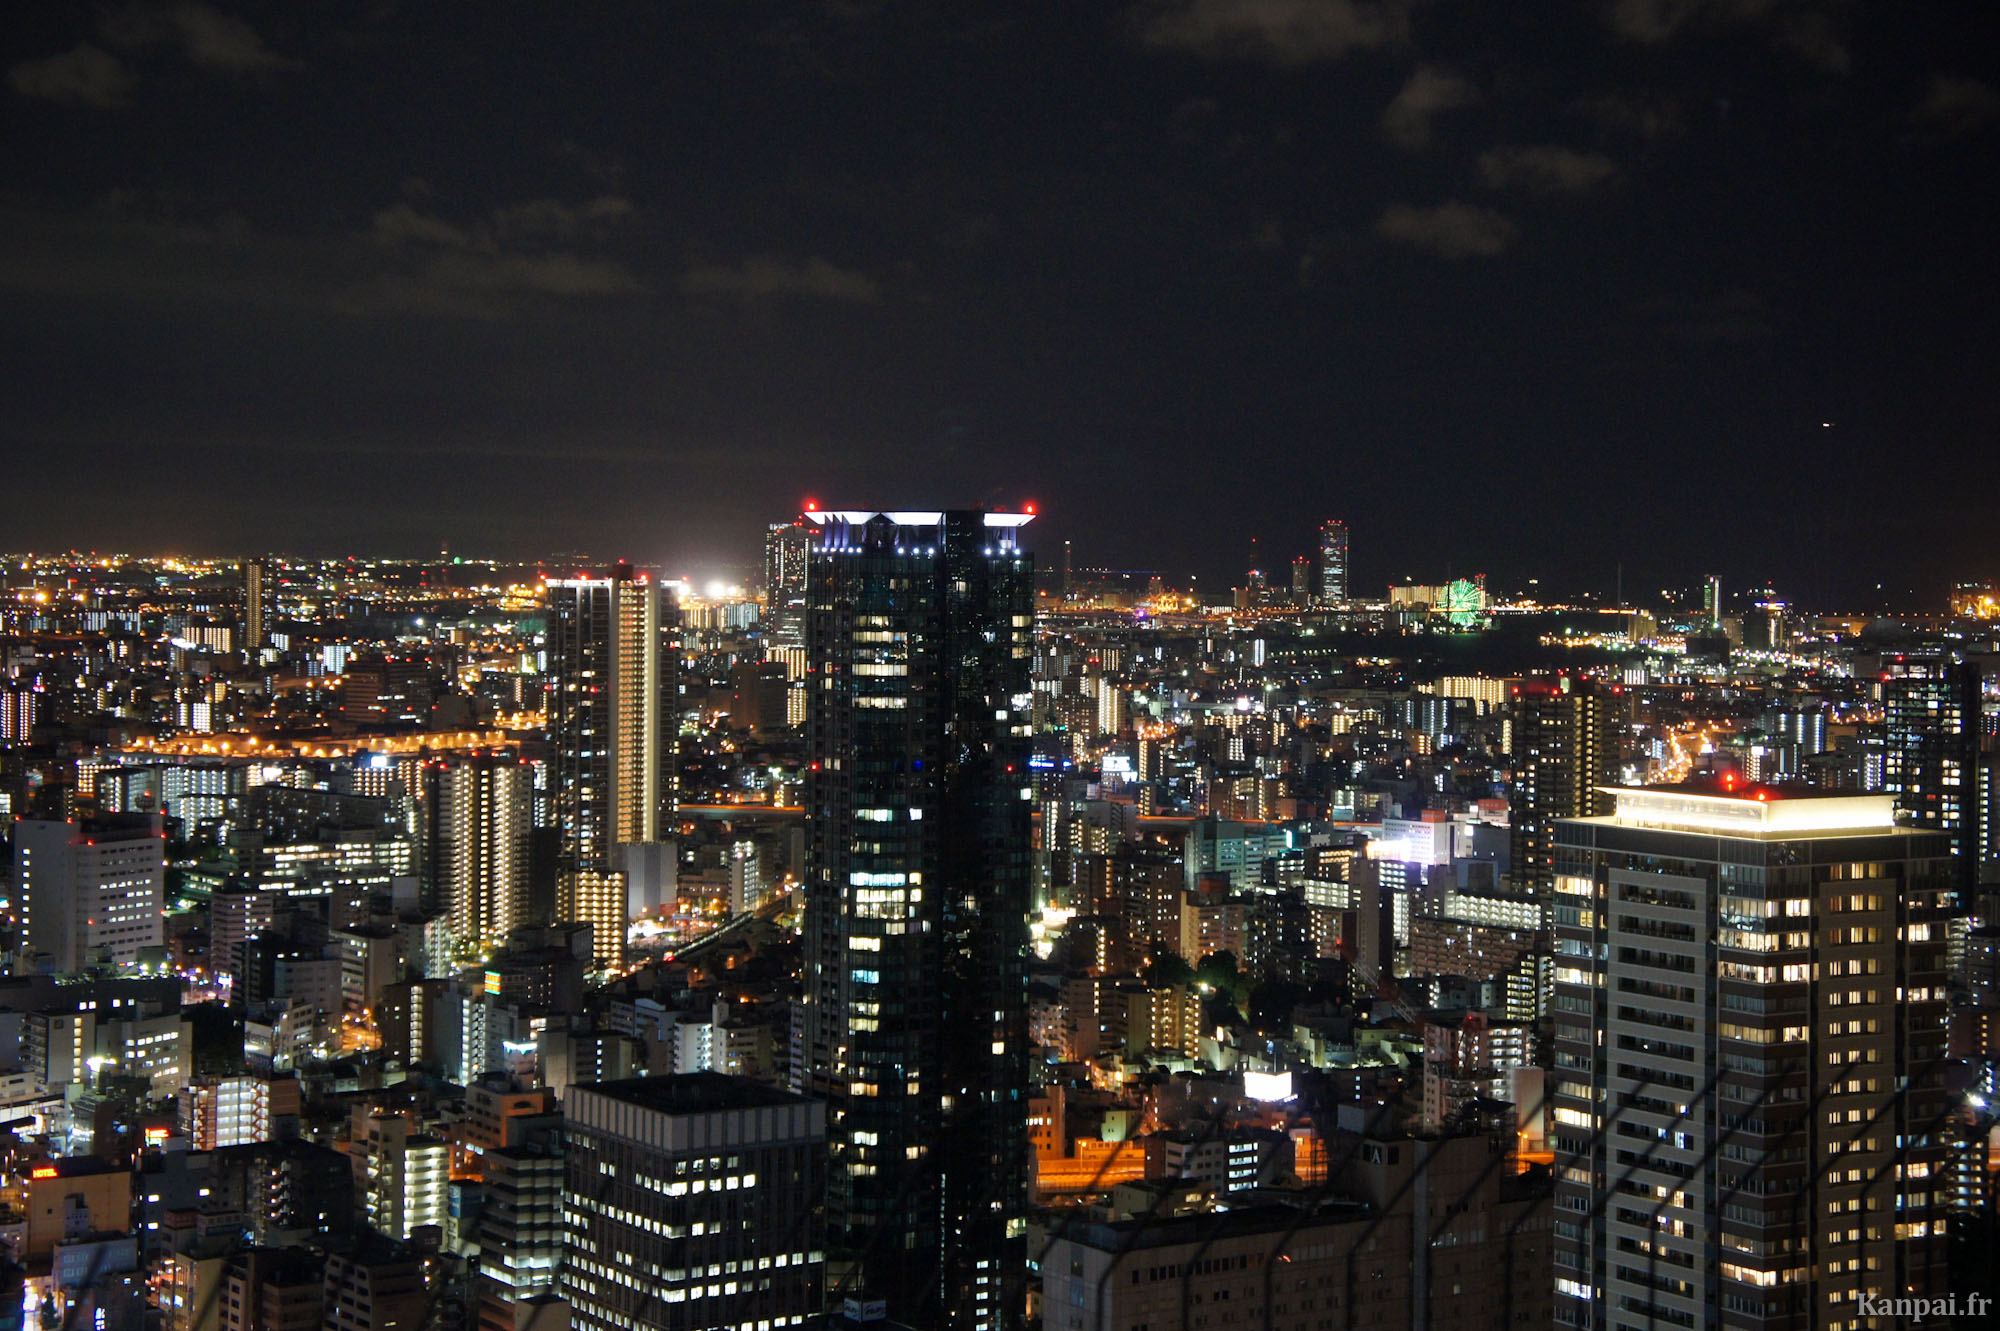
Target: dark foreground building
913,1025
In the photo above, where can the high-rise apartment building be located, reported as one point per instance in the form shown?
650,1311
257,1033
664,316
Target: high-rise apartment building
1332,562
1711,602
612,656
913,1020
1930,753
787,550
478,819
1749,1112
692,1202
1565,752
256,606
92,890
401,1178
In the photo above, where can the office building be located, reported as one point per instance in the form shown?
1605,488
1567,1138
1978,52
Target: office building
787,551
520,1233
1711,603
90,892
1565,753
381,1289
612,653
1243,1265
1332,562
1930,753
1748,1102
913,1020
692,1202
478,817
272,1289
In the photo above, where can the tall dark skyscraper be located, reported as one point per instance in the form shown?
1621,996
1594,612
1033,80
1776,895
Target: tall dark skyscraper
914,1016
1332,562
612,667
1565,749
1930,754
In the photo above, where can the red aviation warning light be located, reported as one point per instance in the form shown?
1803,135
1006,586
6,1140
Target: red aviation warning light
812,505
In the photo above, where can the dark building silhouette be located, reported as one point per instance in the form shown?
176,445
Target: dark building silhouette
914,1016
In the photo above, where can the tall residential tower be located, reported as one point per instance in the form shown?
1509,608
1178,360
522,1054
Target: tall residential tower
1564,752
1749,1108
612,656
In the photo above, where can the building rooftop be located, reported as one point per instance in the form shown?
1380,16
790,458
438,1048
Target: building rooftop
1750,809
1735,789
692,1093
1160,1232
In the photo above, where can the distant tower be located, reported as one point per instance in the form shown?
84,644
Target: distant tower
256,618
786,547
1301,579
1930,758
1565,749
612,654
1711,601
1332,562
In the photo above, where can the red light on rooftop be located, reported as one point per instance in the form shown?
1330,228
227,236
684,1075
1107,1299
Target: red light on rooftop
1762,795
812,505
1029,509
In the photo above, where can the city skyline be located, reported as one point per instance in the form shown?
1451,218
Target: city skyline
922,947
1686,274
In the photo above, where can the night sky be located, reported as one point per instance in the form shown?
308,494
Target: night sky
1532,288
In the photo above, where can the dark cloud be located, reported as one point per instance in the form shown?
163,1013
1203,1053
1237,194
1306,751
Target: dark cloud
1959,104
1451,230
1662,20
765,277
1809,34
209,38
462,284
1805,28
1545,169
1285,32
1429,93
488,268
85,76
1626,115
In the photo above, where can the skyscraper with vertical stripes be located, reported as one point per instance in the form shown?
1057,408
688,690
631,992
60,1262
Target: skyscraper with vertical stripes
612,656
